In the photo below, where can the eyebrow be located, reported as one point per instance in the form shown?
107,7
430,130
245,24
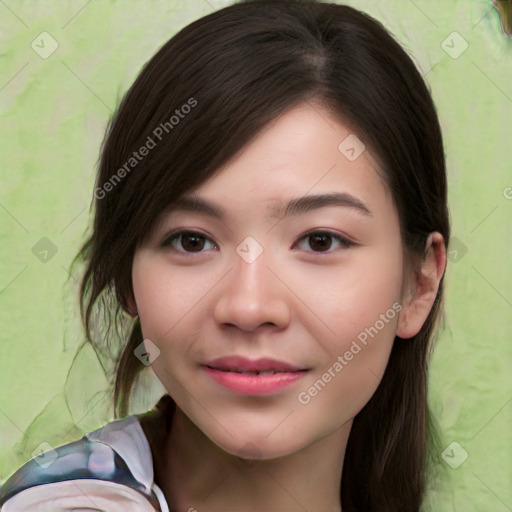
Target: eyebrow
298,206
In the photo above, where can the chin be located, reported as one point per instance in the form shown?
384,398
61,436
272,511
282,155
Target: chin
259,448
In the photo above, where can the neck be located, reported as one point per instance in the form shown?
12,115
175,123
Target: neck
195,474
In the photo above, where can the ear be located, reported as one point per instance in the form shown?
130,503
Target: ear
421,288
131,307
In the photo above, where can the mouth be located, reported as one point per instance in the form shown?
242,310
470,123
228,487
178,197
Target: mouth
250,372
253,377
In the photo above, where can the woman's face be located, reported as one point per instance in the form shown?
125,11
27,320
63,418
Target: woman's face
316,286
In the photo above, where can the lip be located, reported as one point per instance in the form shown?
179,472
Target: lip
232,363
224,371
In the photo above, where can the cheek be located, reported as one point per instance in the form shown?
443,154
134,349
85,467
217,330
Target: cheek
343,302
350,376
171,306
369,323
361,316
164,297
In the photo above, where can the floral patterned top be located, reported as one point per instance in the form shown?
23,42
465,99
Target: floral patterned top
108,470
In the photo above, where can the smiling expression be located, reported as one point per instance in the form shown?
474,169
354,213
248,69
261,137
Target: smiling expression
289,253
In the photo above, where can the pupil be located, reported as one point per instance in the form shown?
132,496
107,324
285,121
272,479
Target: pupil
320,242
191,242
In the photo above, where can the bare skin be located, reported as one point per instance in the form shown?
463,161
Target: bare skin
305,300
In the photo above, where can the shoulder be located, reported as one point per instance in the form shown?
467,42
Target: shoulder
110,468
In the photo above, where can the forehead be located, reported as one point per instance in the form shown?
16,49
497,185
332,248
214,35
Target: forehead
303,153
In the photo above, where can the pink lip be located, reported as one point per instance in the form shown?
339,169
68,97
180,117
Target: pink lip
223,371
231,363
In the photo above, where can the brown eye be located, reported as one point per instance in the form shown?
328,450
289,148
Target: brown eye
320,242
187,242
192,242
323,241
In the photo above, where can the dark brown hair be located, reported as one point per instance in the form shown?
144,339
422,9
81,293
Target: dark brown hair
238,69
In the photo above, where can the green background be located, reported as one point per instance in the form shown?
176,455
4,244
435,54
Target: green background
54,114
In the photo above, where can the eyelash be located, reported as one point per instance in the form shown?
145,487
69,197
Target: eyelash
344,241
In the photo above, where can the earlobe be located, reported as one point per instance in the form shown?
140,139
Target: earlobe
421,292
131,307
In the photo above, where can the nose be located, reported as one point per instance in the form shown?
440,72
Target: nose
252,296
